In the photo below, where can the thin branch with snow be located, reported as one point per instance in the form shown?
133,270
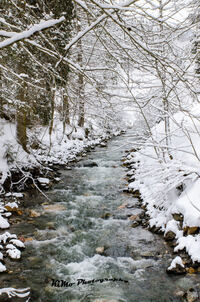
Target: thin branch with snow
15,37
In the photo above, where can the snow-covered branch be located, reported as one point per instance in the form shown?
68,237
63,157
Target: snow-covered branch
14,37
9,34
92,26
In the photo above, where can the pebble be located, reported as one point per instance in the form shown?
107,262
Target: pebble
170,236
100,250
33,213
134,217
28,239
179,293
105,215
34,260
148,254
135,224
192,295
103,145
191,270
123,206
54,207
51,225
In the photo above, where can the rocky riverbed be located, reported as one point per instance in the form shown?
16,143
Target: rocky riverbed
91,230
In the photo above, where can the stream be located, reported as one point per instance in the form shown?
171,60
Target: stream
83,234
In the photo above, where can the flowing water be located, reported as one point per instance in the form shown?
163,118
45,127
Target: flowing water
83,215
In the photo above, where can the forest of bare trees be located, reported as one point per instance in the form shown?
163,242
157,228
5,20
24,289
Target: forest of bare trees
83,63
74,74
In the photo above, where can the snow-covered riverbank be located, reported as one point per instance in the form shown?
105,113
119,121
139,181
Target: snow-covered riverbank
169,183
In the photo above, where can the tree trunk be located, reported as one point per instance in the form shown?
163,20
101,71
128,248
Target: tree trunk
163,81
81,105
52,117
21,129
66,119
1,99
81,119
22,119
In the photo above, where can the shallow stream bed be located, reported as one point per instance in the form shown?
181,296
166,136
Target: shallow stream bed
83,234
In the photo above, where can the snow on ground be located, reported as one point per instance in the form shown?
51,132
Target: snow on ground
61,148
12,154
192,246
176,261
13,292
169,181
16,194
11,245
57,148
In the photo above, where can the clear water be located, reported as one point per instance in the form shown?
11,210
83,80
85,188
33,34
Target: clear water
87,217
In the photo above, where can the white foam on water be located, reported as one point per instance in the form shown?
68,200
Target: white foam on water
94,199
140,274
53,234
73,213
63,191
87,269
39,243
113,224
129,263
100,266
78,248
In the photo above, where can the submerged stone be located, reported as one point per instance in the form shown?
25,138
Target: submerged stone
192,295
123,206
33,213
54,207
105,215
135,224
100,250
134,218
90,164
191,270
170,236
179,293
103,145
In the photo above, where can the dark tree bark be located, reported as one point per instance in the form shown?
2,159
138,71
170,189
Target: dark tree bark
21,127
66,119
81,105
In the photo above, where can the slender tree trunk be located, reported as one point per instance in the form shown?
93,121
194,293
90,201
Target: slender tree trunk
81,119
163,81
197,43
52,116
1,99
21,128
81,109
66,119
